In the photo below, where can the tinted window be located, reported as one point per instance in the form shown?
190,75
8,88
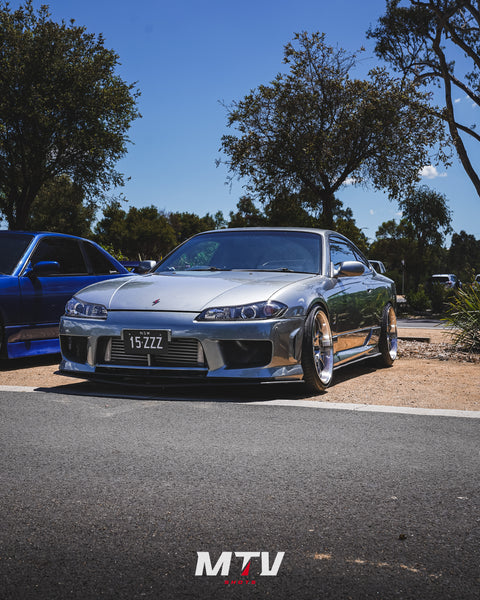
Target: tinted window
248,250
341,251
98,261
12,248
65,251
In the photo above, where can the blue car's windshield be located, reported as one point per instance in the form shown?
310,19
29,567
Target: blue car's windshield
12,248
259,250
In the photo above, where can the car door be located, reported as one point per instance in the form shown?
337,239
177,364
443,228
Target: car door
44,295
352,320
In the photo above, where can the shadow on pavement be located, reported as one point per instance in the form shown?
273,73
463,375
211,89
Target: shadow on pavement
208,392
17,364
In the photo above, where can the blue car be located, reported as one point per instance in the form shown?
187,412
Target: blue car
39,273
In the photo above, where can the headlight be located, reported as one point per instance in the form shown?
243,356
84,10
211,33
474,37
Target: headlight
246,312
87,310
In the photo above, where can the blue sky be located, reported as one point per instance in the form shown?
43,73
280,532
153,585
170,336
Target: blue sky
188,56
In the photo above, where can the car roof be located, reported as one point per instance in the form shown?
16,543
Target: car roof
39,233
266,228
315,230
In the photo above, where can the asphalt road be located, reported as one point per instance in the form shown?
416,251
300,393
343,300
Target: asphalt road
421,323
113,498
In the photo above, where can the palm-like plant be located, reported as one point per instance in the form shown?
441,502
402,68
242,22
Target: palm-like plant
464,315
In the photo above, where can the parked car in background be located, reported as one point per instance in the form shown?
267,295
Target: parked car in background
378,266
39,272
449,280
259,304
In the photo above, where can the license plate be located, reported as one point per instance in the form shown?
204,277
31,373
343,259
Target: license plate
146,341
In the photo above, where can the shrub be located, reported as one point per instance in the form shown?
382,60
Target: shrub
437,294
463,313
419,301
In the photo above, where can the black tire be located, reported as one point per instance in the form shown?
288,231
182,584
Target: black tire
388,343
317,351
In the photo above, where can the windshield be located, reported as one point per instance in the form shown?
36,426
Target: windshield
12,248
253,250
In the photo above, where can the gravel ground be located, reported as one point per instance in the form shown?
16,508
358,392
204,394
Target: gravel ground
427,374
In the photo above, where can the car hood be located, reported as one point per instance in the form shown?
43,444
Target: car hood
192,292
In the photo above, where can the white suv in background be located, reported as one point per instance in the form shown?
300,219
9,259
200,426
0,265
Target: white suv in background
448,280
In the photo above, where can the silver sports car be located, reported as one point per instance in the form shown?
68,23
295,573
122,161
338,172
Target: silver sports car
259,304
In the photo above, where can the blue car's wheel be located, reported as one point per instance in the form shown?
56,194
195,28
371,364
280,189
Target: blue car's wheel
317,351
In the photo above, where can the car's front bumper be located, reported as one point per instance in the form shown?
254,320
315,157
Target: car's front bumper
247,350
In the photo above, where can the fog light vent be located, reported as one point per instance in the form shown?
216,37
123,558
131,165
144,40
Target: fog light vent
240,354
74,347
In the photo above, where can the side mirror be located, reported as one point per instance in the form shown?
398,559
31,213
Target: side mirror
349,268
144,266
44,267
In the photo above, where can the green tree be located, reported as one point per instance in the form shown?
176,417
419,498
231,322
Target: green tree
394,245
315,127
429,215
187,224
413,248
464,256
247,215
60,206
149,234
111,230
421,40
63,109
286,210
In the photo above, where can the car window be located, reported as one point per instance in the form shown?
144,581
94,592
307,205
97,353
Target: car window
99,263
341,250
65,251
252,249
12,248
193,256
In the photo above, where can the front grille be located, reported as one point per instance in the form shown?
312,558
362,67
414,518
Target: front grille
181,353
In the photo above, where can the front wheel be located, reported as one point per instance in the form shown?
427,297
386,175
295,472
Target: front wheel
388,343
317,351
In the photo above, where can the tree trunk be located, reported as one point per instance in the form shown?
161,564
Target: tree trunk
20,205
452,125
328,201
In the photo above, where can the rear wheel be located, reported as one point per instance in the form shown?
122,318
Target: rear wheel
317,351
388,343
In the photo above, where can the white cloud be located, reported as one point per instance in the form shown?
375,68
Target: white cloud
431,172
372,212
350,181
457,100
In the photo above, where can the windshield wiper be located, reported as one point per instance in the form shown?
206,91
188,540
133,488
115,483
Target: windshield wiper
279,270
208,269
